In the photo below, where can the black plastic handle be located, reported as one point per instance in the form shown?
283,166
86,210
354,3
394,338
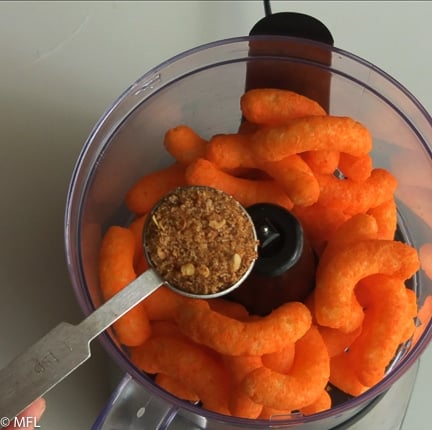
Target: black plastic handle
293,24
285,268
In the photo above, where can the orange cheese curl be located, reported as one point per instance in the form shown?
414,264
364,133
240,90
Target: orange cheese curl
230,152
140,260
229,308
184,144
241,405
170,384
245,191
341,134
357,169
162,303
322,403
386,218
335,301
386,317
323,161
319,223
357,197
303,384
295,177
280,361
355,229
343,376
271,106
336,340
150,188
116,271
195,367
229,336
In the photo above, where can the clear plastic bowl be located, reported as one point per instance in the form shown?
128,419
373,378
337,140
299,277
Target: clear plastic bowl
202,88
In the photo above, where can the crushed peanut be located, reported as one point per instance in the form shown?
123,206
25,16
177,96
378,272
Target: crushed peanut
187,269
236,262
200,240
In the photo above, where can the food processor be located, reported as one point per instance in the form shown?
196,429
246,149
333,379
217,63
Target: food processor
202,87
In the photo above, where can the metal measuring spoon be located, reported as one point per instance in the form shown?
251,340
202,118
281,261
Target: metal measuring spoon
47,362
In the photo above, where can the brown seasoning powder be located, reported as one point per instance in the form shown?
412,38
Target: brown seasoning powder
200,240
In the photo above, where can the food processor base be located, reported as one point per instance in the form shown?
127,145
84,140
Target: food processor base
132,407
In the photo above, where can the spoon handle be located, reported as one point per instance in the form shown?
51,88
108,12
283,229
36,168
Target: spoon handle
63,349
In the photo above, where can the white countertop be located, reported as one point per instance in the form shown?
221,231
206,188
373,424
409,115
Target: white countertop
61,65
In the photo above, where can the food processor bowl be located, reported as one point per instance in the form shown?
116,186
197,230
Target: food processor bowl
202,88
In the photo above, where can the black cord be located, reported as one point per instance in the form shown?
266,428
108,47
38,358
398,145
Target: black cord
267,8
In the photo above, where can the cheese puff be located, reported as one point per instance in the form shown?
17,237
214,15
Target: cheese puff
228,308
425,254
335,302
337,341
162,303
357,197
116,271
140,261
145,193
242,406
319,223
116,257
295,177
229,336
386,315
355,229
230,152
310,134
358,169
246,191
280,361
271,106
137,227
193,366
342,376
240,366
386,217
321,404
303,384
324,161
141,265
170,384
184,144
310,304
165,328
247,127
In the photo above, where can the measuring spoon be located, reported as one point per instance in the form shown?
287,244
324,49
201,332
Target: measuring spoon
66,347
